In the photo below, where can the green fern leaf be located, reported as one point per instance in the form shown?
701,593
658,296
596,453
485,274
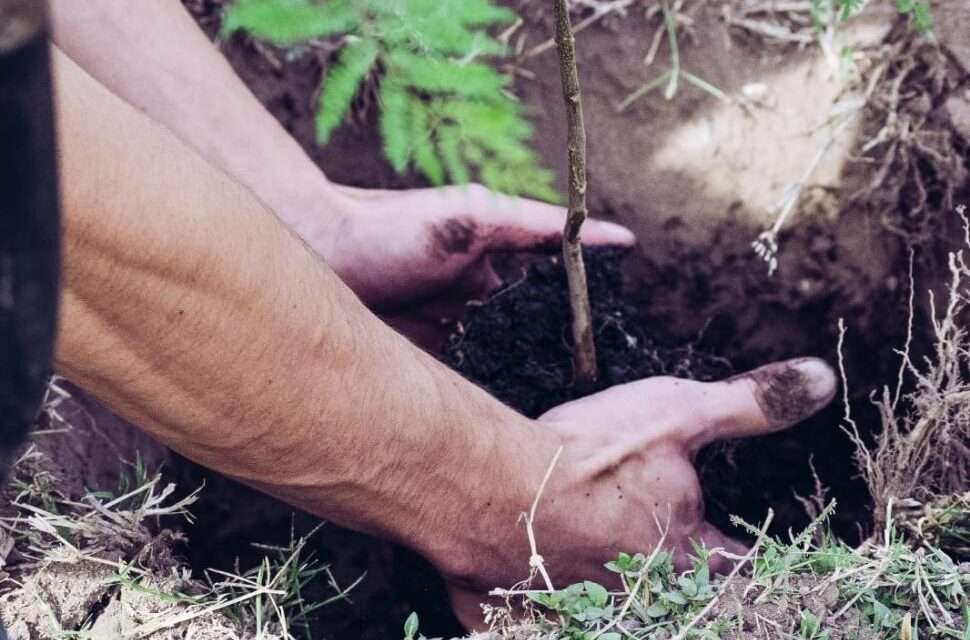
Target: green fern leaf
525,179
436,75
425,157
286,22
432,26
922,17
475,155
449,144
340,86
395,128
484,13
498,118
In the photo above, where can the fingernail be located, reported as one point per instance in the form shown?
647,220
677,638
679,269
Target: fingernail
818,379
790,391
612,232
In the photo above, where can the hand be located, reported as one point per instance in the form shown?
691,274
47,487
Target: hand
416,257
627,464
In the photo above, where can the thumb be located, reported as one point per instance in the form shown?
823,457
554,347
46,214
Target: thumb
767,399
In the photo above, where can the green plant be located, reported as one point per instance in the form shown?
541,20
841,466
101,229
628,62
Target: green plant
411,627
444,109
824,12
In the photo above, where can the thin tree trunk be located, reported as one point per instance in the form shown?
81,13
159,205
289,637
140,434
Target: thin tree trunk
584,349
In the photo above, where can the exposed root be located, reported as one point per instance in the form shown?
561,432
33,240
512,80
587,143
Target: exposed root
920,164
922,454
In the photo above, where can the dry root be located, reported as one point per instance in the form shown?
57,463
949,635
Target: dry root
920,163
919,466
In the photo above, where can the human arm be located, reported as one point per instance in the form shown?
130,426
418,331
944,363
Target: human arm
191,311
391,247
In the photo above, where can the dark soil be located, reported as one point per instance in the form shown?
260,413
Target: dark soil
517,345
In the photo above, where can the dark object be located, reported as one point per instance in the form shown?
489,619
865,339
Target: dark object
29,238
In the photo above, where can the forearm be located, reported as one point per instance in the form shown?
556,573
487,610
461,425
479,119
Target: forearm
171,71
192,312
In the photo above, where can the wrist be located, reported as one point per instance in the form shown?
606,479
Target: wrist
484,534
318,212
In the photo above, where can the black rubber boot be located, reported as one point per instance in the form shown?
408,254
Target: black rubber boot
29,242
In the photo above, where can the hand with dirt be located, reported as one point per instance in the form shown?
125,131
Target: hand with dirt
416,257
627,466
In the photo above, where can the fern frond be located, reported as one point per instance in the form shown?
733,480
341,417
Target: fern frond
286,22
341,83
440,107
496,118
425,156
395,128
435,75
432,27
449,145
482,13
526,179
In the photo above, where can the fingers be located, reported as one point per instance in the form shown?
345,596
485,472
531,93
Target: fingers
519,224
761,401
467,605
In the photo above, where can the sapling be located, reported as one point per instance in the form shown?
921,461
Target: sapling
584,349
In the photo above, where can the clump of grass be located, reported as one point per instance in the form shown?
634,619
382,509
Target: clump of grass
922,454
793,588
111,544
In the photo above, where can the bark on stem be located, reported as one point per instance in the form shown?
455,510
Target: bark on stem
584,350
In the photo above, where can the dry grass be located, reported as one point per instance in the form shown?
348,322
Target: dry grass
922,454
102,565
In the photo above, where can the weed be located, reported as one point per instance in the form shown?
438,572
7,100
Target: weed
672,19
443,108
794,589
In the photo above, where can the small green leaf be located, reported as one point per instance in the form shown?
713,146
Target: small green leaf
425,156
395,128
340,86
449,145
809,625
411,626
687,586
597,593
437,75
675,597
658,610
285,22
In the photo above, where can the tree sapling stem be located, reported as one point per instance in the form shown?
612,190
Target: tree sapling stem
584,349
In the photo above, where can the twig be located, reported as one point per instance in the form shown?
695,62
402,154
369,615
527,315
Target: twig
727,581
584,350
535,560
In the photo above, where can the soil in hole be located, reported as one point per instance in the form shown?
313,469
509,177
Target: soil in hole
517,346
